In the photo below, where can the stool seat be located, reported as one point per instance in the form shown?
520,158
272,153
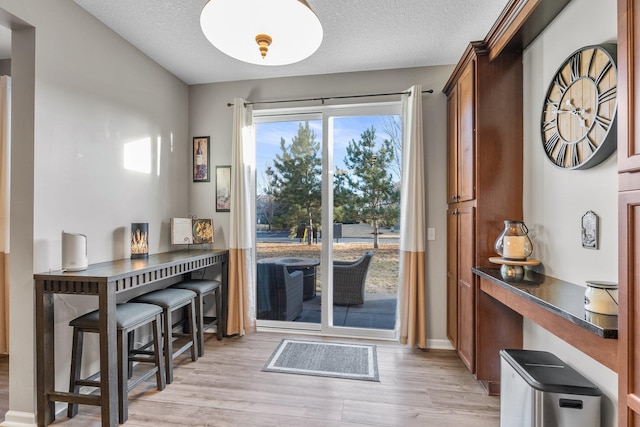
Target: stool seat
127,316
199,286
202,288
170,300
167,298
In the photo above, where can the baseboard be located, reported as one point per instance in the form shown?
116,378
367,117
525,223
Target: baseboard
439,344
19,419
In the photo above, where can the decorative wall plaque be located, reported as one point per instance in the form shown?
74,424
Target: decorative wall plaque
590,230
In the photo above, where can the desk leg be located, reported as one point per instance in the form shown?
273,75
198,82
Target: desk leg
108,356
224,272
45,363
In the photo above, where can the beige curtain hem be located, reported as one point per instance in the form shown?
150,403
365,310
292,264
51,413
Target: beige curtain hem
413,330
238,319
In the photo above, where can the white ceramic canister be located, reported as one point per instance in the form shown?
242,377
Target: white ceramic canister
601,297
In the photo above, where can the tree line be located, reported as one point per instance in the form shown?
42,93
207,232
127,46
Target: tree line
366,191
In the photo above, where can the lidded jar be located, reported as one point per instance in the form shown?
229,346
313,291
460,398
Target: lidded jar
513,243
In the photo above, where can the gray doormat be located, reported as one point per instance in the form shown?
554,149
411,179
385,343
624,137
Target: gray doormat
325,359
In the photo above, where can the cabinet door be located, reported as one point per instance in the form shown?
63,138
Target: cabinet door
452,277
466,288
466,134
452,146
629,316
628,85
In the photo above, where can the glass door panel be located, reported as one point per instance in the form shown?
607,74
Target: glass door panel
366,212
288,207
327,244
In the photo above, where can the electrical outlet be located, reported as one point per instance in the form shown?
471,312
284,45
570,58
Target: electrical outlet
431,234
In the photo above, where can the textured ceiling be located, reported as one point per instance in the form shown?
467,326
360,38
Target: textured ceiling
359,35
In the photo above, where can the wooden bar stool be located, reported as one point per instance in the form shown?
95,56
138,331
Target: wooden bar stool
170,300
129,317
202,288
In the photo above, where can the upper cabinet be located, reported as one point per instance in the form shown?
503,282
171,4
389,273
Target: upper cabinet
628,80
461,143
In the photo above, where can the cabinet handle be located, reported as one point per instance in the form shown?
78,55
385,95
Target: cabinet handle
454,212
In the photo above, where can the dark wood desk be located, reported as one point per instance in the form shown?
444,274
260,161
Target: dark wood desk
553,304
108,281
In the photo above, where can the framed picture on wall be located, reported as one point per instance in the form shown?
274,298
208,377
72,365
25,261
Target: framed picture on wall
223,188
201,159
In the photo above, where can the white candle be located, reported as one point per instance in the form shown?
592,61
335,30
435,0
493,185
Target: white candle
513,247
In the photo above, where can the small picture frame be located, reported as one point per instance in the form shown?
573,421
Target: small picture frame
223,188
201,159
590,230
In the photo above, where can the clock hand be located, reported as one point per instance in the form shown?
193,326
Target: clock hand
576,111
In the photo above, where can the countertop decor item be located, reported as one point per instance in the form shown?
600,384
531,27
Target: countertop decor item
513,270
513,243
139,240
601,297
74,252
514,247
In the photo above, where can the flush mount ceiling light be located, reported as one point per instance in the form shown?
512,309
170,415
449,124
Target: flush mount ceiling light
273,32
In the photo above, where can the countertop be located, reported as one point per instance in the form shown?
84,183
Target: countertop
559,297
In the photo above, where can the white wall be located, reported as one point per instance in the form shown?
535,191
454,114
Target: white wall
94,93
555,200
209,115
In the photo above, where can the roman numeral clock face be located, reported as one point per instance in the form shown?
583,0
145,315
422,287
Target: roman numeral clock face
578,117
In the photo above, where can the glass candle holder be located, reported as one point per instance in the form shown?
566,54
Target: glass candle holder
513,243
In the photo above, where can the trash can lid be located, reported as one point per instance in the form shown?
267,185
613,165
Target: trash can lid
544,371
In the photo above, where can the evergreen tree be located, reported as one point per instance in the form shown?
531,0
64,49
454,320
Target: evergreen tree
371,178
297,175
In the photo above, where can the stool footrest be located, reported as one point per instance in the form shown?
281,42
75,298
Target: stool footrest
134,382
80,399
179,351
142,358
88,383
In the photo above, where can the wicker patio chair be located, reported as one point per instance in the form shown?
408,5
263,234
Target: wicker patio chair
279,292
349,279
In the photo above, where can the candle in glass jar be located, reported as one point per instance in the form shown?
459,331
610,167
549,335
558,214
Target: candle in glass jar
514,247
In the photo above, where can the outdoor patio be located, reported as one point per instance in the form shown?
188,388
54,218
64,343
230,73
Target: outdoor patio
377,312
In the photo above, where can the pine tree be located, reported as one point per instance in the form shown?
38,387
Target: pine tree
371,179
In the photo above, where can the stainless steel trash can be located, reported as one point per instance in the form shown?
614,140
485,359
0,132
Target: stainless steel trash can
537,389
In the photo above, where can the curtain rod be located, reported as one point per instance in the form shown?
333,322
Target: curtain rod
230,104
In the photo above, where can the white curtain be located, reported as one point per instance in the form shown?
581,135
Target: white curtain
241,296
5,184
412,292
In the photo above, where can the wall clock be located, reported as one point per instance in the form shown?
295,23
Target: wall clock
579,112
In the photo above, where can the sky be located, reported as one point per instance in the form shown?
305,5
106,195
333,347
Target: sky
345,129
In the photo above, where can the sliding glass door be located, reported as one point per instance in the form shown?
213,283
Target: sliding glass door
327,209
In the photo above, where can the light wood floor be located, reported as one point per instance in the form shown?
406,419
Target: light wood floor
227,388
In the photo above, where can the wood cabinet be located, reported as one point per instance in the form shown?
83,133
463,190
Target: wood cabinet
452,277
629,212
484,130
466,290
460,126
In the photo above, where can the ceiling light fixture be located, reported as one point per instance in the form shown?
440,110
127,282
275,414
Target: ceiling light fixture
274,32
